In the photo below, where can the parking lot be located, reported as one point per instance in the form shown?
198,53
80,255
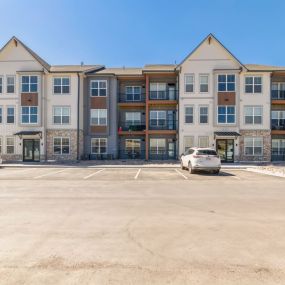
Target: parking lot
140,226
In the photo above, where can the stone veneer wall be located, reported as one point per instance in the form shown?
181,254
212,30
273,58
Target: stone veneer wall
266,134
72,135
11,157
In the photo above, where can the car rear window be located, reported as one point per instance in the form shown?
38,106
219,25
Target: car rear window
206,152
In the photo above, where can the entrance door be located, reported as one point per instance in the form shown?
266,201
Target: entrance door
225,149
31,150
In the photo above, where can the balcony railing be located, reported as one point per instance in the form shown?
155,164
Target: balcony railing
101,156
162,124
161,155
132,154
163,95
278,94
278,124
132,127
131,98
278,154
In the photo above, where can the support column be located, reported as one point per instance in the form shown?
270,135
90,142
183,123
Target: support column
146,117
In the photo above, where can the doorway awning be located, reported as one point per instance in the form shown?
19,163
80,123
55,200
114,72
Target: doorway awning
29,133
226,134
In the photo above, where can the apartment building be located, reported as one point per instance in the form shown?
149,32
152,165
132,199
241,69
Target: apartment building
155,112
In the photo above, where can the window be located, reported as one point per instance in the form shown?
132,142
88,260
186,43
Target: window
278,120
203,141
29,83
133,118
133,93
157,91
226,115
253,84
61,85
99,146
253,115
10,145
189,83
1,115
189,115
226,82
204,83
10,115
10,84
278,90
253,146
98,88
157,118
0,145
98,117
61,146
188,142
278,146
203,117
1,84
61,115
157,146
133,147
29,115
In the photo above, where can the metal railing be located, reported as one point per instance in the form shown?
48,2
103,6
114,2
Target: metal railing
131,98
162,124
163,95
101,156
132,127
278,94
132,154
162,155
278,155
278,124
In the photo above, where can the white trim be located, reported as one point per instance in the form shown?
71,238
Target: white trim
226,114
14,77
29,115
199,119
193,114
98,80
98,117
99,145
226,82
208,82
253,89
253,146
61,85
61,138
133,93
7,107
6,144
253,114
61,107
29,83
193,75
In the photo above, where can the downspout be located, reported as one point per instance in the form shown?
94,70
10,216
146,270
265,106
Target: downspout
78,114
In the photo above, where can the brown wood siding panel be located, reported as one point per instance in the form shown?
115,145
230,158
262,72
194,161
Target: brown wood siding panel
29,99
226,98
98,102
278,102
98,129
278,132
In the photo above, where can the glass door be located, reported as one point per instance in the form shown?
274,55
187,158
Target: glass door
225,149
31,150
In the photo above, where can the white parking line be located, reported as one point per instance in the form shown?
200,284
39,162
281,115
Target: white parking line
180,173
50,173
92,174
137,175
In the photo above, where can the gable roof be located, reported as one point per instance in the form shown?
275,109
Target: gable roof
261,67
75,68
205,39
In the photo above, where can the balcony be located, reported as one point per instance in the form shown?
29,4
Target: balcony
132,98
132,153
278,125
168,95
132,126
278,94
278,155
161,155
162,124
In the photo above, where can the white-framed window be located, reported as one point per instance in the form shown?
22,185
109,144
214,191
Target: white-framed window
278,119
133,93
226,82
133,146
203,141
189,115
98,117
61,115
278,147
253,84
278,90
253,146
99,145
98,88
61,85
10,115
189,83
29,83
1,115
10,83
10,145
226,114
61,145
1,84
157,118
188,142
29,115
157,91
133,118
253,115
157,146
1,145
204,83
203,114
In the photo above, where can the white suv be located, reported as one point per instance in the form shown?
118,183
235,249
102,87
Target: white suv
201,159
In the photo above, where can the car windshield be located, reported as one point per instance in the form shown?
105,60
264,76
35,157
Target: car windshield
206,152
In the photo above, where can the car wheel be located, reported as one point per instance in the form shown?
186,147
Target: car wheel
217,171
182,167
190,168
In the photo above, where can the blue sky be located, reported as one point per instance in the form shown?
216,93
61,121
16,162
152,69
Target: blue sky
137,32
